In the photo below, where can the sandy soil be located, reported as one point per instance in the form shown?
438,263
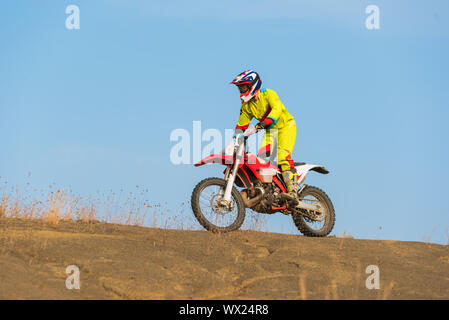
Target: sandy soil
126,262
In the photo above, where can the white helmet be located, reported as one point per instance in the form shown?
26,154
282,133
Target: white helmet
250,78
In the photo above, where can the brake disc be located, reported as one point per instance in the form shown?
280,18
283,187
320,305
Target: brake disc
220,208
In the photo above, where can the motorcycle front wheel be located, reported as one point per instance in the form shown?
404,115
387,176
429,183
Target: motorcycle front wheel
210,213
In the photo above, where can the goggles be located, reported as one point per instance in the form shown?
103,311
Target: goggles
244,88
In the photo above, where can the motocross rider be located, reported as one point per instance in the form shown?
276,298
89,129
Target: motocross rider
265,105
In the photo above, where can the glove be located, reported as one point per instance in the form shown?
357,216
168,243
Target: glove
260,126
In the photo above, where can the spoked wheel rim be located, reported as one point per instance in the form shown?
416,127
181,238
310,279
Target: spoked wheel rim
319,222
213,211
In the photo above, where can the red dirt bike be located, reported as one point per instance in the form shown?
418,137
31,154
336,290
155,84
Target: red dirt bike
220,207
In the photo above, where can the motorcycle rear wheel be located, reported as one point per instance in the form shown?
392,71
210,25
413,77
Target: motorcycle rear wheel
204,205
304,224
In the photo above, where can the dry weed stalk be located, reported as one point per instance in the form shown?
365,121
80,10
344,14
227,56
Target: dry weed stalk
334,289
57,202
387,290
3,207
302,287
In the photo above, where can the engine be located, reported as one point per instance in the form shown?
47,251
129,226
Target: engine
270,198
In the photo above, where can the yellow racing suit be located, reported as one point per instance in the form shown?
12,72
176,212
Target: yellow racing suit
268,109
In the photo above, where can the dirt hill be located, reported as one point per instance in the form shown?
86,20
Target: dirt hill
126,262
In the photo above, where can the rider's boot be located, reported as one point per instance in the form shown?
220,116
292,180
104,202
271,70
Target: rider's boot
290,178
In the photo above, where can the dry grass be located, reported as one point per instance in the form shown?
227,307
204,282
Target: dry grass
255,221
387,291
427,237
3,206
357,281
302,287
56,204
344,236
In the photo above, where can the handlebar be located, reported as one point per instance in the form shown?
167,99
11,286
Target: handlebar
248,132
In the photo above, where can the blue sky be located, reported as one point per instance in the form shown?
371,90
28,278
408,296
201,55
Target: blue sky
94,108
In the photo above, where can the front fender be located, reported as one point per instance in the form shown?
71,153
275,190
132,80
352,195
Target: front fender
216,158
242,179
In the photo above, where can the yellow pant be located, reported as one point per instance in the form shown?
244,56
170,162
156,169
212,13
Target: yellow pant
286,138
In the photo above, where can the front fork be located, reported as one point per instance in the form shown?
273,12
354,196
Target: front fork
230,176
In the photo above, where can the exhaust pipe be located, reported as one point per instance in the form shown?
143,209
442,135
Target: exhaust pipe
249,203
